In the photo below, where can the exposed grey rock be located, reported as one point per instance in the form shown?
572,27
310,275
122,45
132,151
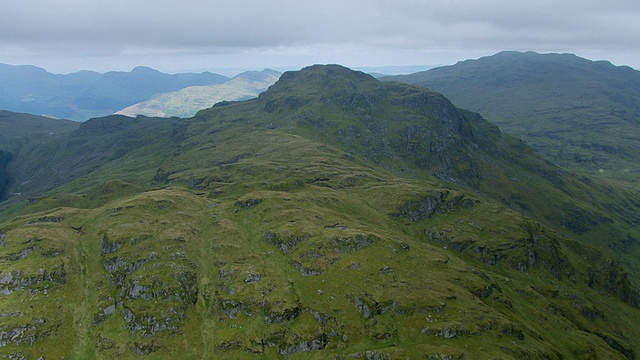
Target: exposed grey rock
321,317
6,278
47,219
18,281
283,317
149,325
306,346
423,208
110,310
336,226
439,237
118,268
369,355
13,314
229,345
187,288
52,252
252,278
107,246
248,203
284,243
16,356
449,333
2,238
373,355
363,307
104,314
25,334
351,244
18,255
135,291
232,308
128,315
113,264
306,271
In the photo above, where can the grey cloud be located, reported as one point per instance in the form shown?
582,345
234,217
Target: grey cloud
191,26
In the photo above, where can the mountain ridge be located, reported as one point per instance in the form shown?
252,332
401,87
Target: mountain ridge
309,222
82,95
579,113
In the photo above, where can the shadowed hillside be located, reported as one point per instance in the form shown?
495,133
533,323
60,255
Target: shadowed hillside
17,130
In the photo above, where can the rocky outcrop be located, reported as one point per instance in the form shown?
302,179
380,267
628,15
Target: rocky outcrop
428,205
34,283
285,243
25,334
247,203
352,244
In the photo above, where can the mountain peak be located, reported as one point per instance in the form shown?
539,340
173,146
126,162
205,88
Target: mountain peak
317,72
258,75
144,70
320,82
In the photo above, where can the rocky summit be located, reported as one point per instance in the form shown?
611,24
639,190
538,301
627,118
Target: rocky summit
335,216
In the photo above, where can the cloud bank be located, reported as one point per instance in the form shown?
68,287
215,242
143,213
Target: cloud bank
359,31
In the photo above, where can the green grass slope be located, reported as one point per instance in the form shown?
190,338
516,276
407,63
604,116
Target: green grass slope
419,133
290,226
578,113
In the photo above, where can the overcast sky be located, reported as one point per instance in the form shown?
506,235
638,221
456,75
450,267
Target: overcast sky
195,35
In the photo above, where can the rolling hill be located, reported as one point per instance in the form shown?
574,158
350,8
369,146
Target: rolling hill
335,216
581,114
188,101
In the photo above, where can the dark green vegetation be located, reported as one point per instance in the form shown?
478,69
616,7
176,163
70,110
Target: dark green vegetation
580,114
87,94
5,180
335,216
19,132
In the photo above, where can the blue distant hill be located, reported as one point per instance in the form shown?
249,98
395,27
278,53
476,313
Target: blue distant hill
86,94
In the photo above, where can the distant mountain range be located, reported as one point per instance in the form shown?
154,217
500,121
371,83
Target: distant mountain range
188,101
86,94
578,113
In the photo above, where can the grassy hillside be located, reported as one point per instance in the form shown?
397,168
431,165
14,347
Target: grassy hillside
578,113
16,130
333,217
94,146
